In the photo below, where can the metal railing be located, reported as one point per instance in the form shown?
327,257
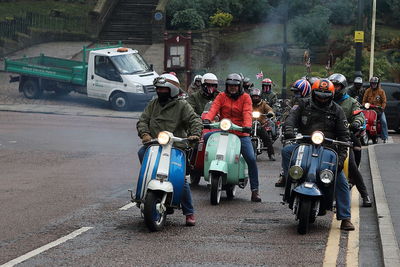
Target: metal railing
22,24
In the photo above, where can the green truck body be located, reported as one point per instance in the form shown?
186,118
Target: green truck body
58,69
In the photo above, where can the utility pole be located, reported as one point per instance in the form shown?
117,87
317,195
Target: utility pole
371,60
284,50
359,39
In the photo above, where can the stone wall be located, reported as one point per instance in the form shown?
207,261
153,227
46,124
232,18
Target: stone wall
205,45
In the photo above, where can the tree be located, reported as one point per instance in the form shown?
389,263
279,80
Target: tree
345,66
188,19
313,28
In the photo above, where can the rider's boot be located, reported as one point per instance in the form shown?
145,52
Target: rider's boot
347,225
190,221
255,197
272,157
281,182
366,201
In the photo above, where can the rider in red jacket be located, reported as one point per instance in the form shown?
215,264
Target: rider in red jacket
235,105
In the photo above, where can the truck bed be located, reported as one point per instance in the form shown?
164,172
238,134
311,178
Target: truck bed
51,68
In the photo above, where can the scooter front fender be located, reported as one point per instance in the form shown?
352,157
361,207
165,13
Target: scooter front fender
157,185
313,191
218,166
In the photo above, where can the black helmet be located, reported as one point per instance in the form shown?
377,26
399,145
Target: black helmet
234,79
340,79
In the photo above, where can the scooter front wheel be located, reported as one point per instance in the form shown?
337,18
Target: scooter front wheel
216,188
304,215
154,218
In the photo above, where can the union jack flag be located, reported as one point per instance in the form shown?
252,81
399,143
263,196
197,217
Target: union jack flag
259,75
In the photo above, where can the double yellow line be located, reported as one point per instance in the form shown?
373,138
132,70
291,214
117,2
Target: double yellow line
332,247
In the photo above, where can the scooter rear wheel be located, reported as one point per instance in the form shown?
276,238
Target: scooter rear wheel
153,219
216,188
304,216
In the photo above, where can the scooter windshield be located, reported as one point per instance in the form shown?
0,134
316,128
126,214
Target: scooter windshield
130,63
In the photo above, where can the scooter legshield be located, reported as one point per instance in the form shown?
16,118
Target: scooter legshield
224,146
148,171
303,155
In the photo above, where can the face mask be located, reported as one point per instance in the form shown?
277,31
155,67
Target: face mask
256,100
163,97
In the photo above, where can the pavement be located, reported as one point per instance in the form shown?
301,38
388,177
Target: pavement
384,158
385,168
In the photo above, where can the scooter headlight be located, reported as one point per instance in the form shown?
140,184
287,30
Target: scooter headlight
326,176
225,124
317,137
367,105
163,138
296,172
256,114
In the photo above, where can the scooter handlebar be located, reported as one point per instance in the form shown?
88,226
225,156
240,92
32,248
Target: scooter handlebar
329,140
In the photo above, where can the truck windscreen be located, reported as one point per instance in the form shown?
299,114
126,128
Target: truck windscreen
130,63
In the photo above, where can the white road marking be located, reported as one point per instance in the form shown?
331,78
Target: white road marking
45,247
12,142
128,206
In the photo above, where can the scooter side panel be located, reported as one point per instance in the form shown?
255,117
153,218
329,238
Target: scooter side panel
177,173
148,169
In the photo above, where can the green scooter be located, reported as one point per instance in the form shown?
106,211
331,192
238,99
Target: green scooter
224,166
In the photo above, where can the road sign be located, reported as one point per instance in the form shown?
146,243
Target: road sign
359,36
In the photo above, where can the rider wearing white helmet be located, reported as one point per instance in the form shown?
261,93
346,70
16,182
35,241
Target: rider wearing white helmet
209,85
195,86
170,113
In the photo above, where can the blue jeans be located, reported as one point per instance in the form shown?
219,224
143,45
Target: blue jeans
342,193
186,200
246,149
384,127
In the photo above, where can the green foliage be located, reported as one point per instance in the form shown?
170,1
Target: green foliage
43,7
343,12
252,11
345,65
312,29
188,19
221,19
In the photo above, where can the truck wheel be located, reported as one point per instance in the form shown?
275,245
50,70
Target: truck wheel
31,89
119,101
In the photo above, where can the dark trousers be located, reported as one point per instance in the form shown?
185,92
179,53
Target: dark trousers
266,140
355,176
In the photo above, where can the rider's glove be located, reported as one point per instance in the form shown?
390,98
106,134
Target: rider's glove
146,138
247,129
355,125
193,138
270,115
206,121
289,134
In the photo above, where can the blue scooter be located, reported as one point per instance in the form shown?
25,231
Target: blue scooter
310,187
161,179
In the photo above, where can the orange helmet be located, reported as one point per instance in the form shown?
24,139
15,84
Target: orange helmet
322,91
323,85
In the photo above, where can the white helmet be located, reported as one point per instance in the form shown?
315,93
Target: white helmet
197,78
170,81
209,78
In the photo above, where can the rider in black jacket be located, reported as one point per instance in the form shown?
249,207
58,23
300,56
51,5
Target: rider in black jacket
321,113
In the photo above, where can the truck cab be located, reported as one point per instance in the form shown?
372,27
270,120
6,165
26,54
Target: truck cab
121,76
